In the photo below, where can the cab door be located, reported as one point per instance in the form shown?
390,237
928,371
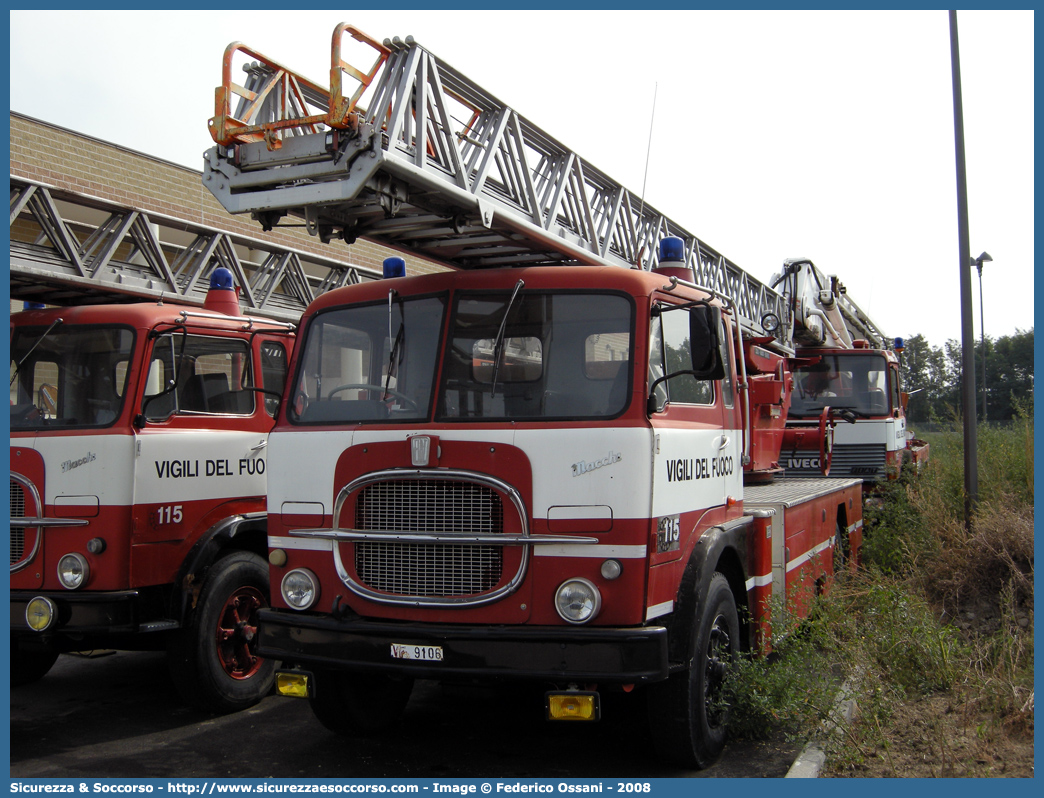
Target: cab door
695,456
200,445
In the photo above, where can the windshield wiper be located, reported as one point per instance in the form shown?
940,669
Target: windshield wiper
38,341
498,344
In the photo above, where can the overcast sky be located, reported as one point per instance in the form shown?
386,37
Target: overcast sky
776,134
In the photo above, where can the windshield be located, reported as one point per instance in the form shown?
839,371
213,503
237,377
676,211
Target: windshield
68,376
854,382
560,355
369,363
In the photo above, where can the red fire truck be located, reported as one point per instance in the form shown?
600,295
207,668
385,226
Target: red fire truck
845,365
558,461
139,440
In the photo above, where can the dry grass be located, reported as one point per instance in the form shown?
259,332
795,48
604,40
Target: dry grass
992,560
938,623
976,585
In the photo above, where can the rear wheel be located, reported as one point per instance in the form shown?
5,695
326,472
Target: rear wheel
358,704
30,662
214,660
687,714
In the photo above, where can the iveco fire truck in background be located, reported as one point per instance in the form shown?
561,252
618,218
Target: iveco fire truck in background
845,366
558,461
139,438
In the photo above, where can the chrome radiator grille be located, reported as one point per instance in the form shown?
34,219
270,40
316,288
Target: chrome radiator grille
419,569
17,511
866,460
429,507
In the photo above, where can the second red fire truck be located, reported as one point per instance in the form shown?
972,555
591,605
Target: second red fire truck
139,457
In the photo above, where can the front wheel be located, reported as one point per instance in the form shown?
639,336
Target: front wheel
687,714
359,704
214,660
30,663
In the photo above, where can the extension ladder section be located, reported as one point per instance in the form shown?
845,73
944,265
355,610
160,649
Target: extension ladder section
412,154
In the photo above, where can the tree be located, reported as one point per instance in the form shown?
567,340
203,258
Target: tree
933,377
927,376
1009,374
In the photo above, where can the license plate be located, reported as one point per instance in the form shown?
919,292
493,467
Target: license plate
408,651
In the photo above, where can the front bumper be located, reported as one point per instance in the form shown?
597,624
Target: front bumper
111,612
613,655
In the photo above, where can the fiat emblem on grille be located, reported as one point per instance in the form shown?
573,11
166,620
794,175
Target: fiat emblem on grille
421,447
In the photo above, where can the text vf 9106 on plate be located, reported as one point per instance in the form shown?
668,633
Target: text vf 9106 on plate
407,651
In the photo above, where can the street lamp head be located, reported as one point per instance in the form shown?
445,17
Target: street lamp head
983,258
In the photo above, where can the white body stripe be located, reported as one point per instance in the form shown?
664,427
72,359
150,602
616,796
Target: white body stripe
616,475
694,469
169,467
889,431
213,465
758,581
85,465
591,550
797,562
657,610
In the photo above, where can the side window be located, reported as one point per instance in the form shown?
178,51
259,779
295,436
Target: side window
726,358
45,387
198,374
896,386
273,373
684,388
656,367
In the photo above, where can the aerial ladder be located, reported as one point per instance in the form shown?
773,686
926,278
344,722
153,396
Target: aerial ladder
409,152
436,166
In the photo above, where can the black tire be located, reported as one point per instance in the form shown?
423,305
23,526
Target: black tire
30,662
359,704
686,715
213,660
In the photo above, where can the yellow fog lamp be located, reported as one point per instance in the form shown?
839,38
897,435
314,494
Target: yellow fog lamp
293,684
41,614
572,705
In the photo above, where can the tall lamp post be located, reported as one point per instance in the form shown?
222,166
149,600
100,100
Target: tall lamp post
983,258
971,433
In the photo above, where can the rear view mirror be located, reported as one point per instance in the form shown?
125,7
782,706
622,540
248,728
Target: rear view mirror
705,342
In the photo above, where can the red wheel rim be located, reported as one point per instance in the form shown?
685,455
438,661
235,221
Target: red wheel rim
236,633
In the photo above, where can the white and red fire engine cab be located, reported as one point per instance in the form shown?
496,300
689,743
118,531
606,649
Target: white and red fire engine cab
139,438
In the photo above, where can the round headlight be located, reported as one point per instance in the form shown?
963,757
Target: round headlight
300,589
40,614
577,600
73,571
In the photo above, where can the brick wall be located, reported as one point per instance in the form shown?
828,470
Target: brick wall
69,160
